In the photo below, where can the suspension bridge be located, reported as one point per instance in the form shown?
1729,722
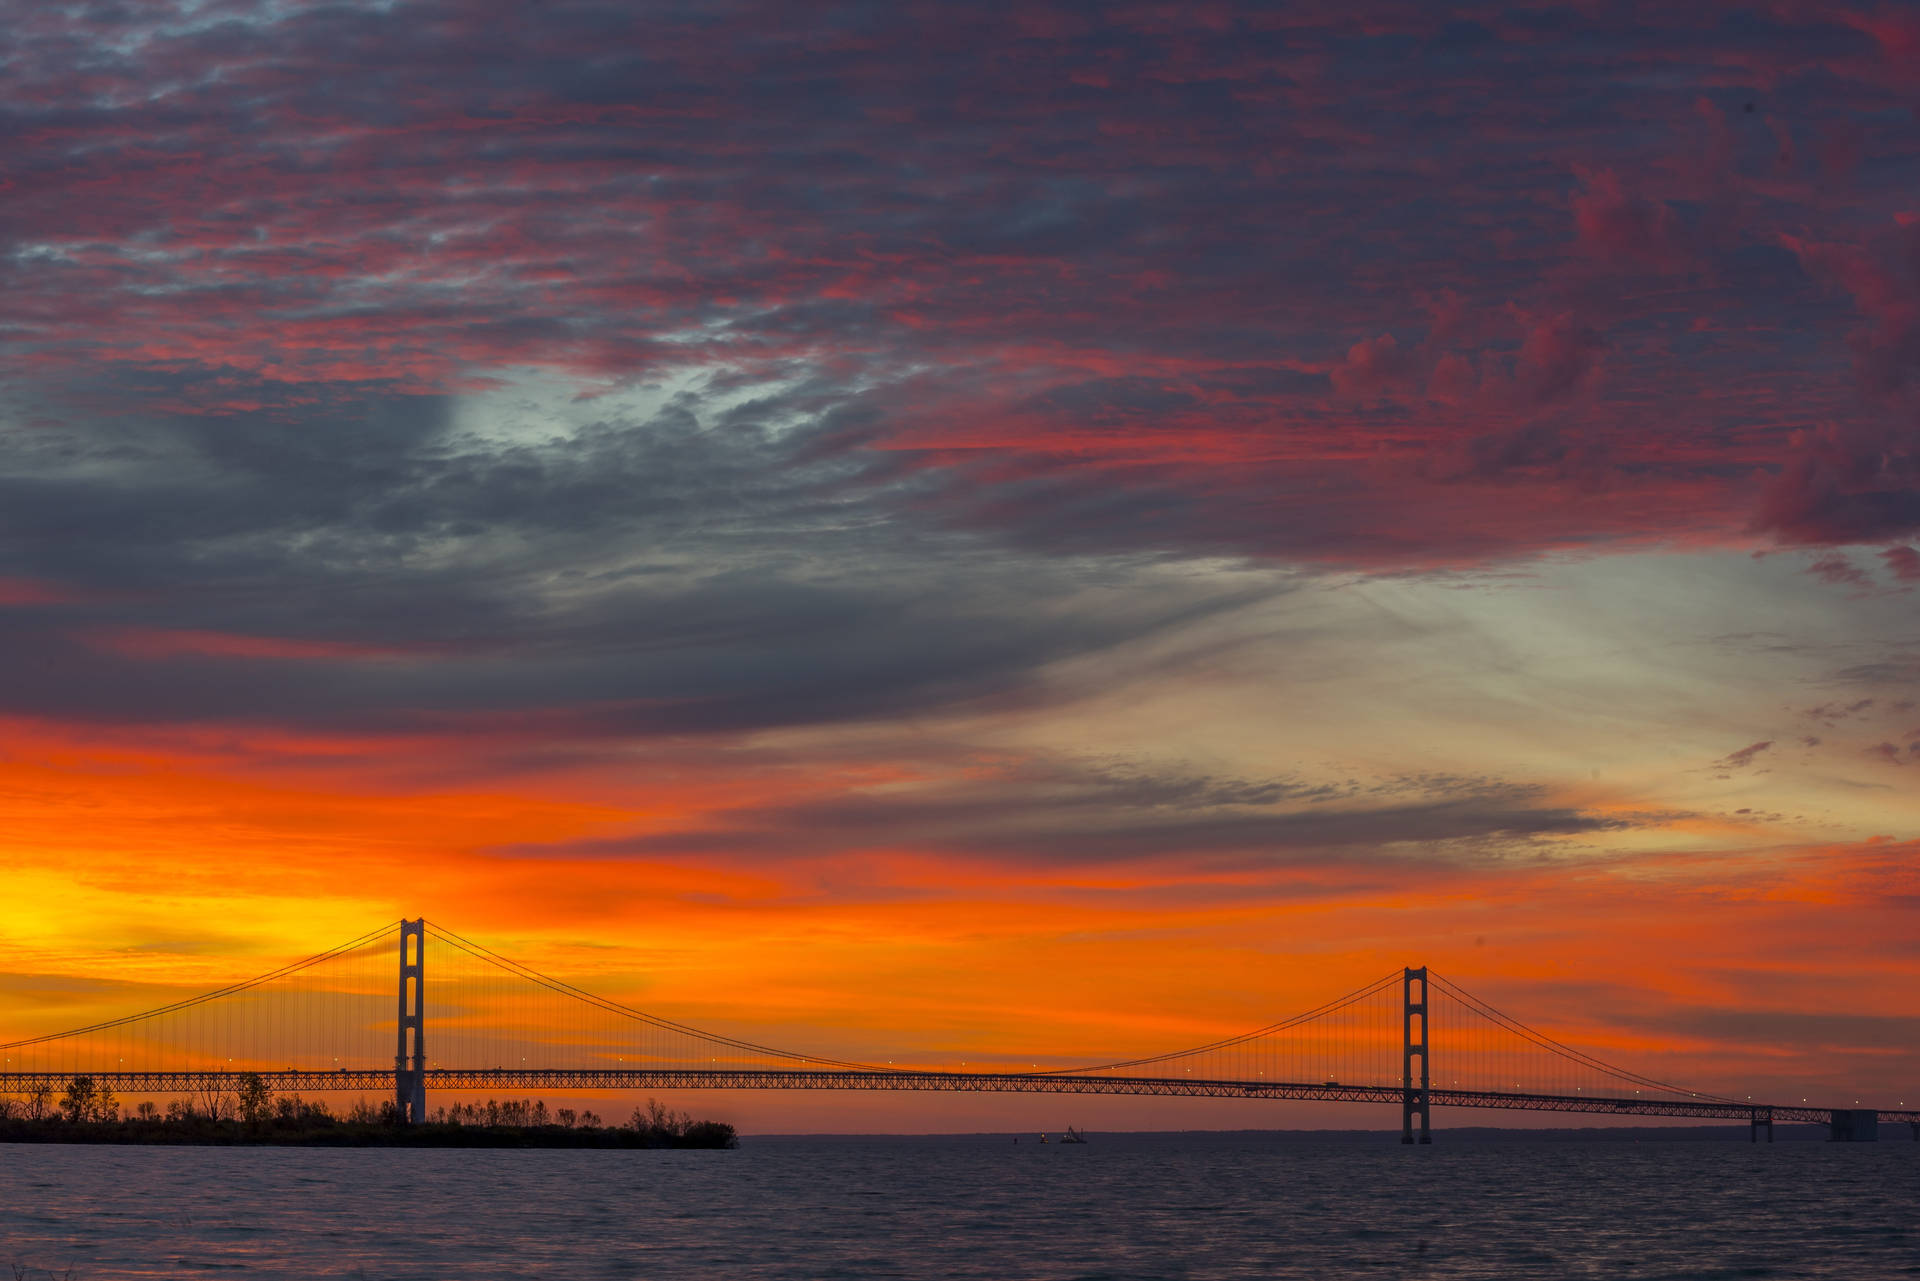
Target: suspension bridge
1410,1039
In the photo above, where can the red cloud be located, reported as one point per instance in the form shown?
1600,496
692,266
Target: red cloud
1212,207
1614,223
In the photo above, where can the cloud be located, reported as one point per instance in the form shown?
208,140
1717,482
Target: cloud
1101,300
1859,484
1053,813
1744,757
1374,365
1557,356
1613,222
702,565
1833,713
1903,563
1839,570
1883,278
1804,1032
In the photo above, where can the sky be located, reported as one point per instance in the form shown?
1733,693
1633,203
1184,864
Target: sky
904,527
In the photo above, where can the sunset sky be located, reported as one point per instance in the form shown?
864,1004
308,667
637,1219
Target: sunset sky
903,528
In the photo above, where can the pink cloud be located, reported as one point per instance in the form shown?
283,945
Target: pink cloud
1840,571
1903,563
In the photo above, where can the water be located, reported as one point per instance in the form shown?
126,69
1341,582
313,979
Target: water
1122,1207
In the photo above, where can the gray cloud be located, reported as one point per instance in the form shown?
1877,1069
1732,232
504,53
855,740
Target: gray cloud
1056,813
707,567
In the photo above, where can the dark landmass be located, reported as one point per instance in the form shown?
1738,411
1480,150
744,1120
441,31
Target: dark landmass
88,1113
349,1134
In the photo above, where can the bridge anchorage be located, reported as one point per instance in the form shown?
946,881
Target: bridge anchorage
1410,1039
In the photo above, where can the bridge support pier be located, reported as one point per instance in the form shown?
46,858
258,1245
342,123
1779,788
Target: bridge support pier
1853,1125
1758,1119
410,1060
1413,1096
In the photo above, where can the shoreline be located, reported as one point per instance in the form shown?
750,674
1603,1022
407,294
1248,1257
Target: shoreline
709,1136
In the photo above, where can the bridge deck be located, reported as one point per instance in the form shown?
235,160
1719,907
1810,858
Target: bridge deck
477,1079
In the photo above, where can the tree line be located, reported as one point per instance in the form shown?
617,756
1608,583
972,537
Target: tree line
254,1113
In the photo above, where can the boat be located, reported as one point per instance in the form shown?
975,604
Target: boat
1074,1136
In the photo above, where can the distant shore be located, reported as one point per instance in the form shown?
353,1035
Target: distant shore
1481,1133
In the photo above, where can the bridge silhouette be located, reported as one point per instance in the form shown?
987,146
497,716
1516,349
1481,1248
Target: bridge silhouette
1409,1038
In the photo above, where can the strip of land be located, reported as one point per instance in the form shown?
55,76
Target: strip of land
87,1113
344,1134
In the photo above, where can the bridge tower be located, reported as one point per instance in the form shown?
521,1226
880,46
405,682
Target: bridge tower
1413,1094
410,1061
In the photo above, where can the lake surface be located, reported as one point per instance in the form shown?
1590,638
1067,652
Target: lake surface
1123,1206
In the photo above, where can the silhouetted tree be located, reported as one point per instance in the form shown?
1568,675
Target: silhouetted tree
39,1102
105,1106
215,1103
709,1134
567,1117
147,1111
254,1098
659,1122
77,1103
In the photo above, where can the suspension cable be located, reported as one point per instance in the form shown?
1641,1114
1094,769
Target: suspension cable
532,975
1338,1003
232,989
1547,1043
